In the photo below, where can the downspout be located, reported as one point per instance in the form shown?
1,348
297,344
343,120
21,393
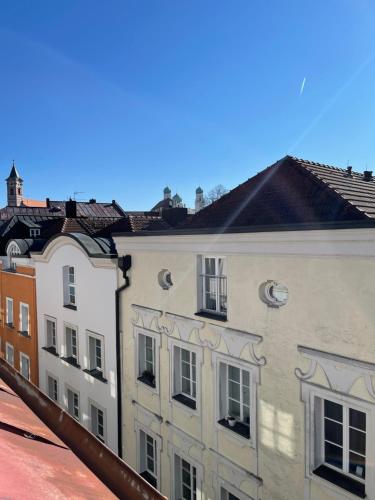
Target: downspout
124,263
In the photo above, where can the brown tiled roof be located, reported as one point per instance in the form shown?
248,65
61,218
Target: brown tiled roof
135,222
165,203
291,191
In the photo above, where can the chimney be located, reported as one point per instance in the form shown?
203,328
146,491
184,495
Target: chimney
71,209
48,204
367,175
92,200
349,171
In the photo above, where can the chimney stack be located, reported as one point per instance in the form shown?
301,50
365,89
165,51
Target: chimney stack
367,175
349,172
71,209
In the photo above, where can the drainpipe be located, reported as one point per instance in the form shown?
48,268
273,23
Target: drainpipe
124,263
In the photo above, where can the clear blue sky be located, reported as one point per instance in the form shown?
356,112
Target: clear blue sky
119,98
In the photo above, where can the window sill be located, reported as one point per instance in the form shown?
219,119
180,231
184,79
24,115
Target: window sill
72,361
70,306
25,334
51,350
97,374
217,317
146,380
239,428
149,478
9,325
344,482
190,403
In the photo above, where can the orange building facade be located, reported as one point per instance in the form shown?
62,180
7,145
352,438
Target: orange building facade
18,319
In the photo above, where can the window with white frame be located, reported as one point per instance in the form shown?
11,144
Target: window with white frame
25,365
96,354
9,312
71,344
13,249
148,457
52,387
34,232
73,403
146,359
51,340
69,278
97,422
24,318
213,285
9,353
341,443
227,495
234,397
185,479
185,376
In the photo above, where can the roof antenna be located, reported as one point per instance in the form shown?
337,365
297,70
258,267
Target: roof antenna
77,192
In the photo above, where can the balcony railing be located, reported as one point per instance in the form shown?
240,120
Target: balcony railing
214,294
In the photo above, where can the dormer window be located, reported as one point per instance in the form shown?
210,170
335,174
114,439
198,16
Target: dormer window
34,233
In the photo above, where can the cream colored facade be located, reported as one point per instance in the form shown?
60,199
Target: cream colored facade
319,345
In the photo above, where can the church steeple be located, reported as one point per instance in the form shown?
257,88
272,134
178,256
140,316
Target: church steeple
14,188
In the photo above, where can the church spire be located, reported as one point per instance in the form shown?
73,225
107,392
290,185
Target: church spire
14,187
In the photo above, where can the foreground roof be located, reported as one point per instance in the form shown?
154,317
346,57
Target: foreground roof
291,191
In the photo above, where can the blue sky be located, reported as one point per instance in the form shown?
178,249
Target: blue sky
119,98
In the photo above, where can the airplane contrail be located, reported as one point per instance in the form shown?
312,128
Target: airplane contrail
302,86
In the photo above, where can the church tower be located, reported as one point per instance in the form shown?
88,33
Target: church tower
15,188
199,199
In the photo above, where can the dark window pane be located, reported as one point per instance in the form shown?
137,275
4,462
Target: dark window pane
333,410
333,455
357,441
333,431
357,419
357,465
186,493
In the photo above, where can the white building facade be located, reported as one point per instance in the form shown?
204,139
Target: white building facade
76,283
249,364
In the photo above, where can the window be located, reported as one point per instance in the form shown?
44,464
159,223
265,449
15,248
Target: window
34,233
146,359
185,475
51,342
71,345
13,249
9,312
73,403
340,447
24,319
25,365
96,354
148,458
185,376
213,286
52,387
97,416
227,495
9,353
234,398
69,286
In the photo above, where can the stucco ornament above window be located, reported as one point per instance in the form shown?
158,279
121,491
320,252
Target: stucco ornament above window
165,279
273,294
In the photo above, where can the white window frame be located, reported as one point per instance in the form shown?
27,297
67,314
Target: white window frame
229,488
96,336
9,300
156,348
24,357
309,393
74,391
10,346
55,379
54,321
23,304
217,359
75,328
158,448
69,286
174,453
94,404
34,232
202,287
172,344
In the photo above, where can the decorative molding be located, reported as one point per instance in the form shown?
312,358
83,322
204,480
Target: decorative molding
237,473
185,326
148,415
341,372
187,441
237,340
146,316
